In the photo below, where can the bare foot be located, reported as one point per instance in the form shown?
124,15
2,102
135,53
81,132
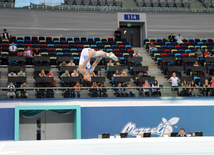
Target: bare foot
112,56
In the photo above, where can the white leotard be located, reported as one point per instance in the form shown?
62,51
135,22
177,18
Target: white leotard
84,55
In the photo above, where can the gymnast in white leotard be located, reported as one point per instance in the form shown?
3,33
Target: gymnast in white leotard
84,64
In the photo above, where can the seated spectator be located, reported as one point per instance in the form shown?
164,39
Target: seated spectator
179,38
196,64
151,46
28,52
185,90
116,74
92,74
5,35
171,37
120,90
63,63
94,92
198,53
117,64
71,63
124,73
206,53
12,74
136,54
11,91
50,74
66,74
75,74
212,84
77,91
206,90
21,73
192,91
23,93
13,48
42,74
148,91
174,80
103,91
181,133
37,52
129,91
155,91
99,74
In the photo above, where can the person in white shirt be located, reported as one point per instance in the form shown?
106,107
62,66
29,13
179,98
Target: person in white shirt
74,74
179,38
5,35
11,91
155,91
12,48
174,80
136,54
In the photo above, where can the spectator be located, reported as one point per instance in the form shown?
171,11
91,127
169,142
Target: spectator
129,91
212,83
198,53
94,92
92,74
206,90
196,64
6,35
71,63
77,91
109,64
66,74
118,33
13,48
120,91
155,91
23,92
136,54
152,46
148,91
50,74
11,91
181,133
174,80
116,74
124,73
179,38
63,63
37,52
21,73
185,90
12,74
206,53
42,74
28,52
103,91
99,74
117,64
192,91
171,37
75,74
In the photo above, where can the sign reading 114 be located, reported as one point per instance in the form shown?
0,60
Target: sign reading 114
131,17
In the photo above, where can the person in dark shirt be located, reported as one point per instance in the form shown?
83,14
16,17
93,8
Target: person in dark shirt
172,37
181,133
118,33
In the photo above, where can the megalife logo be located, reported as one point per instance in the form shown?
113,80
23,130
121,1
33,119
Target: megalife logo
162,128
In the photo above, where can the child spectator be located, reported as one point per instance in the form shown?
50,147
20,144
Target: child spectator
21,73
129,91
94,92
99,74
192,91
63,63
75,74
42,74
66,74
71,63
155,91
120,91
28,52
12,74
206,90
11,91
23,92
50,74
77,91
103,91
146,85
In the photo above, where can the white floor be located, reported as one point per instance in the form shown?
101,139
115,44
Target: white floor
127,146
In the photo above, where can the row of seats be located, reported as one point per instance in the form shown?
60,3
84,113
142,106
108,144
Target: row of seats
97,2
163,3
208,3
